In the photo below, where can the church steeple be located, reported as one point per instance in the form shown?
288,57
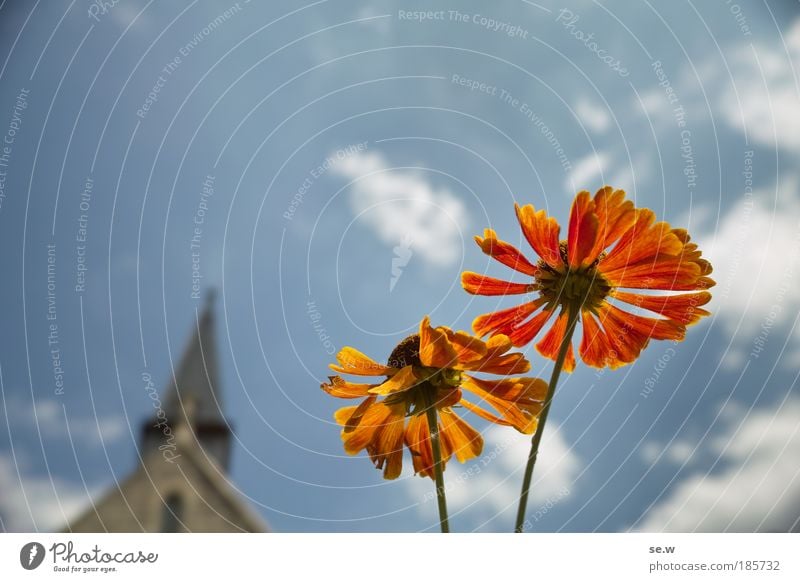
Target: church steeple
192,401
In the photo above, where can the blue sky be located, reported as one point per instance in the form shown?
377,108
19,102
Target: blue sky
340,137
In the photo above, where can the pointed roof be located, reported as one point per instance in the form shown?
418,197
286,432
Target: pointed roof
192,391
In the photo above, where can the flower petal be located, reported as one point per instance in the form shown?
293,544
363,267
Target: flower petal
386,449
468,348
523,415
484,285
583,227
342,389
524,333
595,348
645,239
512,389
418,441
615,215
435,349
399,382
541,232
351,361
363,425
504,320
551,342
504,252
464,441
684,307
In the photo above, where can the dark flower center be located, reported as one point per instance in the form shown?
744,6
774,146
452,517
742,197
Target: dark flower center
430,380
406,353
582,288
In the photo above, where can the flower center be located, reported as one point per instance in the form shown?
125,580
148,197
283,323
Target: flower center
430,380
582,288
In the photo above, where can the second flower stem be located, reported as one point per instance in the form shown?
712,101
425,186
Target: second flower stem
438,471
572,320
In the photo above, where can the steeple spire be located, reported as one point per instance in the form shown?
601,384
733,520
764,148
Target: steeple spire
191,400
192,395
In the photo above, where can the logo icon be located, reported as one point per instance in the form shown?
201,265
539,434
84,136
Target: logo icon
31,555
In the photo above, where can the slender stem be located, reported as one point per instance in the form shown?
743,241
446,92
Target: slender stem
438,471
537,437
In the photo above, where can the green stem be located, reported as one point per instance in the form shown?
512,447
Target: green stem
537,437
438,471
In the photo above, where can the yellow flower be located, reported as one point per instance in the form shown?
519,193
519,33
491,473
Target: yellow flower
429,369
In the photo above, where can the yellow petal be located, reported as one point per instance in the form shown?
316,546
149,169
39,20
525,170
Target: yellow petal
402,380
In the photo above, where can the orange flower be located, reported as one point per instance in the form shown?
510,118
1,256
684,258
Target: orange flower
610,246
429,367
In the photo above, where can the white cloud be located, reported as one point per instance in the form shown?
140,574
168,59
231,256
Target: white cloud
592,116
48,416
585,171
757,489
770,112
400,205
487,489
31,502
756,256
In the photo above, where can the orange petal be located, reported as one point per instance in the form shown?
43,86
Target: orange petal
524,333
660,329
361,429
511,389
665,273
642,241
483,285
541,232
523,416
595,348
683,308
468,348
615,216
464,441
435,349
343,389
418,441
386,449
503,364
504,252
402,380
583,227
351,361
551,342
505,320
